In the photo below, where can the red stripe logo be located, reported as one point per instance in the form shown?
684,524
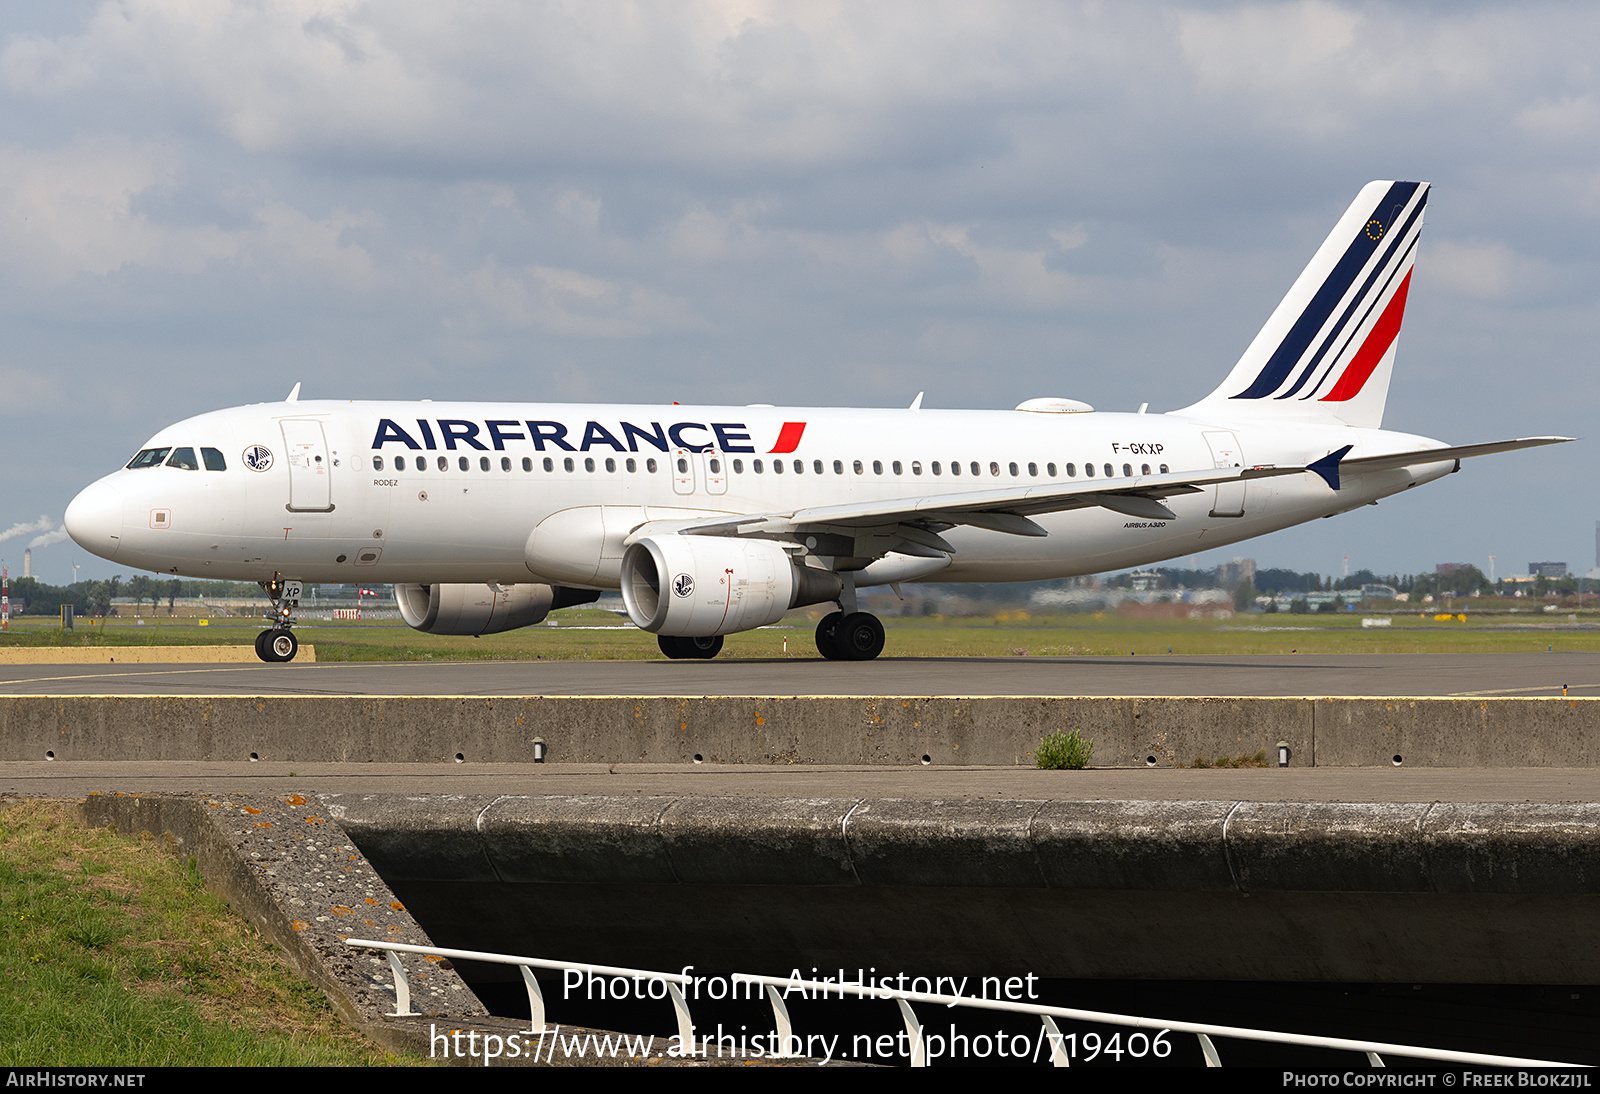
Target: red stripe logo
788,438
1372,350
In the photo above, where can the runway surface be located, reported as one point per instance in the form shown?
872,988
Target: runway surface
1518,675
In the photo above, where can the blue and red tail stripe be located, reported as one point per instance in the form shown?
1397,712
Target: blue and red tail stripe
1390,229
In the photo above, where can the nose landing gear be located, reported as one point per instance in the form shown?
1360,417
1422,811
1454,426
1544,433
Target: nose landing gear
278,644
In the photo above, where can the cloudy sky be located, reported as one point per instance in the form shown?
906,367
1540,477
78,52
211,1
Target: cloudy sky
202,203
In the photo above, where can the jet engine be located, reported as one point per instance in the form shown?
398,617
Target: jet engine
698,586
482,609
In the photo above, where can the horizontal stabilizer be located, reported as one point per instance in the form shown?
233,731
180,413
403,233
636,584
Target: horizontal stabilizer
1439,455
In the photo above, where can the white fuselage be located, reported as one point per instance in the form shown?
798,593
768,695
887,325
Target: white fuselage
456,492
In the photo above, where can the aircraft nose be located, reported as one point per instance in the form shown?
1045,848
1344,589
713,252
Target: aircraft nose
94,519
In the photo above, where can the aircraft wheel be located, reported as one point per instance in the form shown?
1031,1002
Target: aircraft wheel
280,646
828,635
859,637
704,648
261,645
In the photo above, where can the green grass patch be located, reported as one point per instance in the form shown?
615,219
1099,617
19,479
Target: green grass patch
595,634
114,955
1064,751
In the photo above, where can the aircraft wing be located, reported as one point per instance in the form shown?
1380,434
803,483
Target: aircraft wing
1000,509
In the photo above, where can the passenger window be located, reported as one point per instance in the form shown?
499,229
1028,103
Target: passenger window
1109,471
1010,467
650,466
976,470
633,466
568,464
916,467
816,465
444,464
895,466
461,461
1050,469
777,467
377,463
483,463
877,467
838,467
527,463
716,466
683,466
755,465
955,468
611,466
213,459
738,467
588,464
505,463
150,457
800,467
1088,469
400,464
184,458
549,464
936,470
1163,469
1144,469
1033,469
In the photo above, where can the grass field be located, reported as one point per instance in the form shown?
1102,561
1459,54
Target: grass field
115,956
591,634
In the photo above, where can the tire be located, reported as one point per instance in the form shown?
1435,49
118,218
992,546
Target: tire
689,648
280,646
261,646
827,636
859,637
703,648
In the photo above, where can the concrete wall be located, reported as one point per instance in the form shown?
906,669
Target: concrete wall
1421,892
1128,732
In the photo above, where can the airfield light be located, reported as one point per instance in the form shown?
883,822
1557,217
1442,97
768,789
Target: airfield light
1283,753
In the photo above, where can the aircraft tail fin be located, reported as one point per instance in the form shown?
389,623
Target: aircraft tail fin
1327,351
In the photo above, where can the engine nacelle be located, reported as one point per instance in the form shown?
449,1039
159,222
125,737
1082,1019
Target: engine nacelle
698,586
482,609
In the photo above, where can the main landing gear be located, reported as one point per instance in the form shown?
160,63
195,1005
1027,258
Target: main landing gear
850,636
689,648
278,643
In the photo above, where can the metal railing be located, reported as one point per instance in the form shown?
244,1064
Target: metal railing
776,987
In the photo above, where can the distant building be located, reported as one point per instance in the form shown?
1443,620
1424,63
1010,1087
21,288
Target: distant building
1144,580
1547,569
1450,567
1230,575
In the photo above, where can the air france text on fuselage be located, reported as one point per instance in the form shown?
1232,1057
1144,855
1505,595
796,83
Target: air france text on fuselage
452,433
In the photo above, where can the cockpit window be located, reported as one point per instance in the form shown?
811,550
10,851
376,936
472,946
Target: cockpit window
214,460
184,458
150,457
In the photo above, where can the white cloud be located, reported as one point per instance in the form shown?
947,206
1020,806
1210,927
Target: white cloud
69,211
1485,271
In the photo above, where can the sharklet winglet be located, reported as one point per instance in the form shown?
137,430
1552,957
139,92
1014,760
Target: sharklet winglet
1328,466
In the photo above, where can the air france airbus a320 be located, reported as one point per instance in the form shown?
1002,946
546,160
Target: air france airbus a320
718,519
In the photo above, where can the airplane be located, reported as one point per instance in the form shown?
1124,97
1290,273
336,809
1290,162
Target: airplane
713,520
